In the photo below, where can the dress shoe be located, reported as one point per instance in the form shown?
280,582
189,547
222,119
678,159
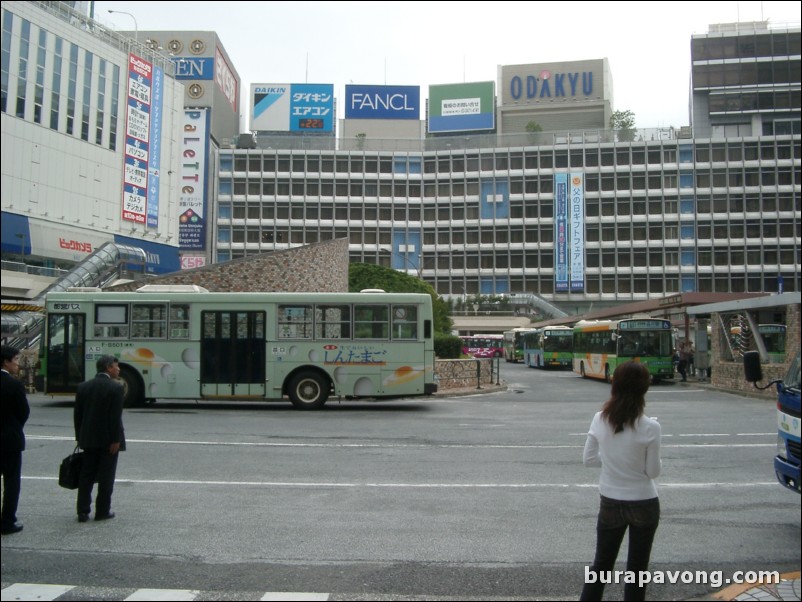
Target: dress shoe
82,517
12,528
108,516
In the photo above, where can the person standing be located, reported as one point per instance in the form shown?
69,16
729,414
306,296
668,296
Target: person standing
625,443
99,432
15,412
683,361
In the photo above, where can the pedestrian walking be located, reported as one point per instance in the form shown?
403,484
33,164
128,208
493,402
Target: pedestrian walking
625,443
99,432
15,412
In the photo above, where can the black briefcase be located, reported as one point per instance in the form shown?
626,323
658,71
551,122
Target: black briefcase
69,473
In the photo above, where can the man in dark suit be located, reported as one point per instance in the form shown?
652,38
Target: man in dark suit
15,412
98,418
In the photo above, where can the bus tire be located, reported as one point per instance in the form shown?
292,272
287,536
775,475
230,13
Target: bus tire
134,395
308,390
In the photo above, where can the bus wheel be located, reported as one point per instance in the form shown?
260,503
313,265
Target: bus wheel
133,396
308,390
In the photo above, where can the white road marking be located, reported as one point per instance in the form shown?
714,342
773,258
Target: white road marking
34,591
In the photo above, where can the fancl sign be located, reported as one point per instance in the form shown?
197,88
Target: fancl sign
382,102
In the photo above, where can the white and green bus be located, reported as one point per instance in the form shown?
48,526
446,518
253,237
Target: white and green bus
601,345
549,347
183,342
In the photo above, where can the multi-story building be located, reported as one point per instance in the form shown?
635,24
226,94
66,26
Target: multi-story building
658,212
91,125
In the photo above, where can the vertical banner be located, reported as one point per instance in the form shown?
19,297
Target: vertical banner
155,162
137,140
561,232
577,237
192,197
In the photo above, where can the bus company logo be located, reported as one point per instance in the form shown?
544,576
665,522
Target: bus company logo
329,347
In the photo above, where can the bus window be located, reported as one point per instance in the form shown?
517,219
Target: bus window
332,321
371,322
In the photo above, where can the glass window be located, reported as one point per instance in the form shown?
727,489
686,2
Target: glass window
405,322
295,321
149,321
371,322
332,322
179,321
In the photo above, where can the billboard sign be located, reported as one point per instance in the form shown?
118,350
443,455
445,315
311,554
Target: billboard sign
382,102
292,107
136,158
462,107
561,232
192,196
194,67
577,235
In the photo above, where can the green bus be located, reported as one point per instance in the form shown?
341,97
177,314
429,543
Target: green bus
184,342
514,344
600,345
549,347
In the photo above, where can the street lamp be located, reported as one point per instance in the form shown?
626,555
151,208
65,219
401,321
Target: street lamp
136,25
407,261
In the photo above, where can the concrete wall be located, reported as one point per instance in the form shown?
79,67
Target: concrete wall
730,375
320,267
463,374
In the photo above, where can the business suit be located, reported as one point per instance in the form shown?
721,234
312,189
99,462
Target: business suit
98,430
15,412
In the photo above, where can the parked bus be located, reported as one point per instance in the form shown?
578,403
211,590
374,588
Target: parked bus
789,450
513,344
599,346
551,346
483,345
176,344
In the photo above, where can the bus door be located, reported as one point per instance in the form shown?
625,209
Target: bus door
233,354
66,352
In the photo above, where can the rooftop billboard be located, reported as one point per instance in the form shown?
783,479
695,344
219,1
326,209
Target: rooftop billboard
382,102
462,107
292,107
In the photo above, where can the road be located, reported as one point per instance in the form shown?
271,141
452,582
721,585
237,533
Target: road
475,497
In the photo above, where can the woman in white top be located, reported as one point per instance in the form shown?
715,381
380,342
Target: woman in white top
626,444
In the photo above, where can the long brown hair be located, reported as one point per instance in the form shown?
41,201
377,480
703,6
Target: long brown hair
631,380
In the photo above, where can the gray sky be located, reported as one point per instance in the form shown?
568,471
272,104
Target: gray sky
403,43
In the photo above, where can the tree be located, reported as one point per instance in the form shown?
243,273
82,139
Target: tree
369,275
533,126
624,123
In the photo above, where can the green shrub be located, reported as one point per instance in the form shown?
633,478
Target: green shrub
447,346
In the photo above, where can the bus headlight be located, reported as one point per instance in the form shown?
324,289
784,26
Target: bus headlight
781,450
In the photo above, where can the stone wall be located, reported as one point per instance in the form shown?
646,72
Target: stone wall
321,267
730,375
462,374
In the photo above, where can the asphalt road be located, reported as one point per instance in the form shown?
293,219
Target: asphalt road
476,497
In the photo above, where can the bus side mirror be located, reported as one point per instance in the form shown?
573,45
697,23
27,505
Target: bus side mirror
752,369
614,336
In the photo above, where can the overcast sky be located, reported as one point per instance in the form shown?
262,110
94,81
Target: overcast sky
402,43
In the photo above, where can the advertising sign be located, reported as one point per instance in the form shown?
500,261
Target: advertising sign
137,140
155,162
292,107
225,80
561,232
194,67
382,102
577,236
192,196
462,107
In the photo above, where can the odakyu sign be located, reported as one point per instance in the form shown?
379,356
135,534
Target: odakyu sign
382,102
538,83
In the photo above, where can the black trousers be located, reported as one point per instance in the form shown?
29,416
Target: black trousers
99,466
12,474
641,517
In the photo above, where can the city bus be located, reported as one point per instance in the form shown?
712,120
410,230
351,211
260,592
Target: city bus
551,346
183,342
600,345
483,345
513,344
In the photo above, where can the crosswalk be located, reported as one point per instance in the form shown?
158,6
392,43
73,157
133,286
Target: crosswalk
45,592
